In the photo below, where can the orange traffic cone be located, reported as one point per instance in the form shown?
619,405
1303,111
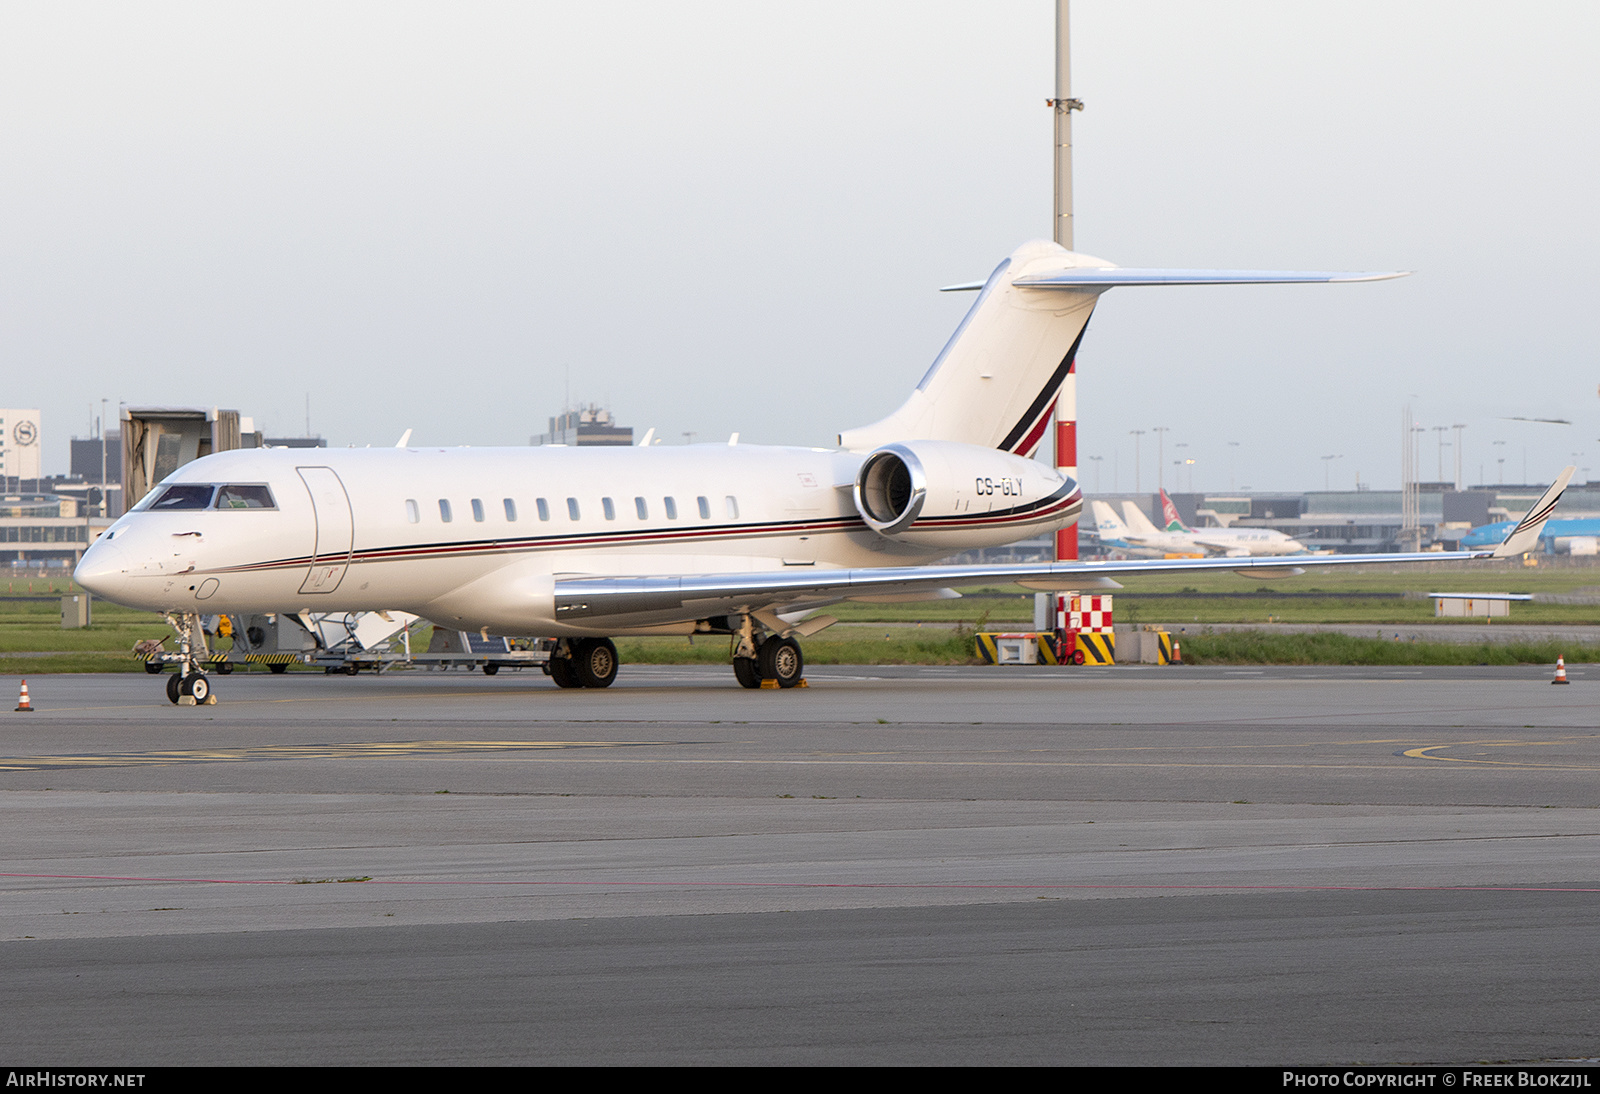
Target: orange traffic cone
22,699
1177,652
1561,670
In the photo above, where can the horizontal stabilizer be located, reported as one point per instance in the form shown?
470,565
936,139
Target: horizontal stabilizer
1114,277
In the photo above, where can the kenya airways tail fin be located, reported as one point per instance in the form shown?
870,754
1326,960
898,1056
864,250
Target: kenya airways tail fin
1170,519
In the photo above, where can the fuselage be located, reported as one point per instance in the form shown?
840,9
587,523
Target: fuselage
1208,541
1558,537
478,536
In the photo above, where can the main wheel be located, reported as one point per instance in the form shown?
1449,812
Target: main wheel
781,661
490,669
153,667
174,683
746,672
199,687
277,670
562,673
595,662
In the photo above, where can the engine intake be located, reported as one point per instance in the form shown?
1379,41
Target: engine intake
891,489
959,496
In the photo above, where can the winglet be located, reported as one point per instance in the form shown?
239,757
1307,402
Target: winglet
1525,536
405,439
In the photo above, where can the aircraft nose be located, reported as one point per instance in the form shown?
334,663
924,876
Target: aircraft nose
102,569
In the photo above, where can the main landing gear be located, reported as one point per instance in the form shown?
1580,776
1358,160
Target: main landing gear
583,663
189,686
774,658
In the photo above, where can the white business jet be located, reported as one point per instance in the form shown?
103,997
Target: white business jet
584,544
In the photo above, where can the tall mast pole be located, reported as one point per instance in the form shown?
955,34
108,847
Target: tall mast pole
1066,408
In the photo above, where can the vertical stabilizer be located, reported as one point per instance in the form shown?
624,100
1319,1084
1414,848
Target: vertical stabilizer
995,380
1170,519
1108,526
1137,520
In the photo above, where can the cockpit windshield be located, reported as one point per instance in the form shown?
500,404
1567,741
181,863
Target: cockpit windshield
196,495
184,495
235,496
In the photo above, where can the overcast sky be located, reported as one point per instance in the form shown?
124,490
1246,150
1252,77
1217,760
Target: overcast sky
731,216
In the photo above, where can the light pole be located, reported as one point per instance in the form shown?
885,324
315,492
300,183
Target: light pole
1161,432
1097,460
1327,464
1137,433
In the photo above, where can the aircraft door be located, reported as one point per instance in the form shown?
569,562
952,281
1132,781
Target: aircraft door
330,557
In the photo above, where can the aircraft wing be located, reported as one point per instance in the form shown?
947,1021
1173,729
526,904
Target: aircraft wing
646,600
664,599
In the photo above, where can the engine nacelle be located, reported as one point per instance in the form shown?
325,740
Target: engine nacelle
946,494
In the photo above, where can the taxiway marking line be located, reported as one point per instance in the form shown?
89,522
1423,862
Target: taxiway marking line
732,884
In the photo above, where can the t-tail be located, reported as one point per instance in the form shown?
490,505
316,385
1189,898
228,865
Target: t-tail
996,379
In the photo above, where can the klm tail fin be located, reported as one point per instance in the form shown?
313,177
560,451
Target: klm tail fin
1108,526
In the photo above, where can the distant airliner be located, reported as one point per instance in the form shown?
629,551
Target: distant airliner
583,544
1142,539
1578,537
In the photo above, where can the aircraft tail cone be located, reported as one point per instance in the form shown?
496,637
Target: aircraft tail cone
22,699
1561,671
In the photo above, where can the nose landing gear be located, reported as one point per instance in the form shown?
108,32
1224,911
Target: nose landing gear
190,686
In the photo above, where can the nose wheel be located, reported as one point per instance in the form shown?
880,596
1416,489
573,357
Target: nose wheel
195,688
189,685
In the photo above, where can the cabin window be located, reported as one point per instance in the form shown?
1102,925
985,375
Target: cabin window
733,507
671,506
705,507
511,509
477,510
609,509
235,496
184,495
444,510
543,507
572,508
413,514
641,508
